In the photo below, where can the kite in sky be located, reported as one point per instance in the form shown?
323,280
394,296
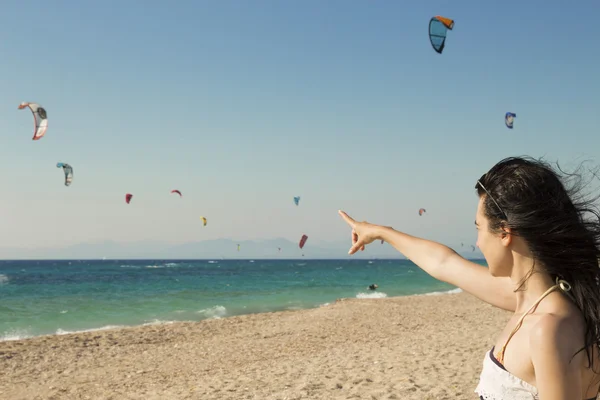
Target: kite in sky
509,119
40,119
438,28
302,241
68,170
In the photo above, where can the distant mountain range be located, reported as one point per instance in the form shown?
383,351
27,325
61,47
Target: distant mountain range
209,249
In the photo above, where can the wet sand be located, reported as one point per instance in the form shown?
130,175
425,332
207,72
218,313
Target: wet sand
418,347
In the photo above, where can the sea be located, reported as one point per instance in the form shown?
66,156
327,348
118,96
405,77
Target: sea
55,297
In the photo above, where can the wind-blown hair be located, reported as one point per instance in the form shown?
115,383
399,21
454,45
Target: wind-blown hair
560,224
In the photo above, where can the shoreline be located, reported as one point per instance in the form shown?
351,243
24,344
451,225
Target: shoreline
61,332
404,347
353,257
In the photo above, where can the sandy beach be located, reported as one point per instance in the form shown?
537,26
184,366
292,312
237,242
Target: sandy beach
418,347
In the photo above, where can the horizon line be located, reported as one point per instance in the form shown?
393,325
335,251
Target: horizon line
218,259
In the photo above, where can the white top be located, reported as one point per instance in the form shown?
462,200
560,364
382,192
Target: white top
496,383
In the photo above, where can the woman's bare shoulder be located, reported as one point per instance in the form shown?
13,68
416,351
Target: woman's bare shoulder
558,336
562,325
554,341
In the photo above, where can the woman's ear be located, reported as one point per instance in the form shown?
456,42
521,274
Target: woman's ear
506,235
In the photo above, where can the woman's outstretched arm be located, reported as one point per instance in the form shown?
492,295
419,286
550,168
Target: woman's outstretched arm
439,261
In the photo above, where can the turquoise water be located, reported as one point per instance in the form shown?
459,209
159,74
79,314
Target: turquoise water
54,297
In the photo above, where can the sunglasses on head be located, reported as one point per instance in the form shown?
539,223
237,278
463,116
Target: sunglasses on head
490,196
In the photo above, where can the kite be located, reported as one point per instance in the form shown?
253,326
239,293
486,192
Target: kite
302,241
176,191
40,119
296,200
204,220
421,211
68,170
128,197
438,27
509,119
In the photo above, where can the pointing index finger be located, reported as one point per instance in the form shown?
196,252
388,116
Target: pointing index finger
347,218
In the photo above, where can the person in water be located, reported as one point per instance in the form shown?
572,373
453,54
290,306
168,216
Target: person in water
373,286
541,242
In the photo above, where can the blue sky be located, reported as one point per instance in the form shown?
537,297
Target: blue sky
243,105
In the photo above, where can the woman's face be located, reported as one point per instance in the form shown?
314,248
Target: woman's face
490,244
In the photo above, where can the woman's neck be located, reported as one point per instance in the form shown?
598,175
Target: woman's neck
536,282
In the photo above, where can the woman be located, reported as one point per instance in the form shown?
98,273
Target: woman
542,255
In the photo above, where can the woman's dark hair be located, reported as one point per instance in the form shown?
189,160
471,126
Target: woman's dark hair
560,225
